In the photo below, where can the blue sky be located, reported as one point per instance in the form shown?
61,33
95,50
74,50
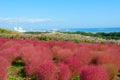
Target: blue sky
59,13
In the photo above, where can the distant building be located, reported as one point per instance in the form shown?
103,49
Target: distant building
19,29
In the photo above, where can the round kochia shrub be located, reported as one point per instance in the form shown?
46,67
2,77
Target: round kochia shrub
111,69
8,44
83,55
70,45
4,62
9,54
3,73
55,50
62,54
75,65
47,71
27,52
64,72
44,50
109,58
94,73
4,65
35,61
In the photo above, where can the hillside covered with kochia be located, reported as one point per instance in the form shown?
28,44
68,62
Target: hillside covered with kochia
105,35
59,36
58,60
75,36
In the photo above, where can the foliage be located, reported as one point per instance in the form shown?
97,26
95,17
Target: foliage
111,69
94,73
75,65
64,72
47,71
33,59
76,78
8,31
110,35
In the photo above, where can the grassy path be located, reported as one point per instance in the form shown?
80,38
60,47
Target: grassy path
16,71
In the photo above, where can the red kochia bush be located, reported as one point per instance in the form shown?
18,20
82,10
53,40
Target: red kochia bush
94,73
109,58
64,72
27,52
115,53
111,69
8,44
83,55
105,58
3,73
4,62
75,65
4,65
17,46
44,50
35,61
55,50
9,54
47,71
62,54
70,45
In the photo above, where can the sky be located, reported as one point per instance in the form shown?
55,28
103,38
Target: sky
59,13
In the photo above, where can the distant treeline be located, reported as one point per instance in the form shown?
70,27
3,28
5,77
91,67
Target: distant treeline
35,32
110,35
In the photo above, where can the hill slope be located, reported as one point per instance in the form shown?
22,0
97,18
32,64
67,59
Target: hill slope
6,31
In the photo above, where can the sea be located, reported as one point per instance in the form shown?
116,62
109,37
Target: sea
94,30
73,29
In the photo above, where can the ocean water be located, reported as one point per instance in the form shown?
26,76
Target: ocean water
94,30
78,29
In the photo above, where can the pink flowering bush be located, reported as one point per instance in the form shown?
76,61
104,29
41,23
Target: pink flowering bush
62,54
4,62
27,52
35,61
111,69
44,49
64,72
4,66
115,53
51,43
9,54
83,55
8,44
47,71
3,73
75,65
60,60
104,47
60,43
94,73
70,45
55,50
109,58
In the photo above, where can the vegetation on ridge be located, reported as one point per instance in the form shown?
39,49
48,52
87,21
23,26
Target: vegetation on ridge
6,31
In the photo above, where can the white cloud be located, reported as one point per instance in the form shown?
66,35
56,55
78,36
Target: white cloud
23,20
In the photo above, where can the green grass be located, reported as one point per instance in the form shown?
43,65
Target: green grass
76,78
16,71
6,31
